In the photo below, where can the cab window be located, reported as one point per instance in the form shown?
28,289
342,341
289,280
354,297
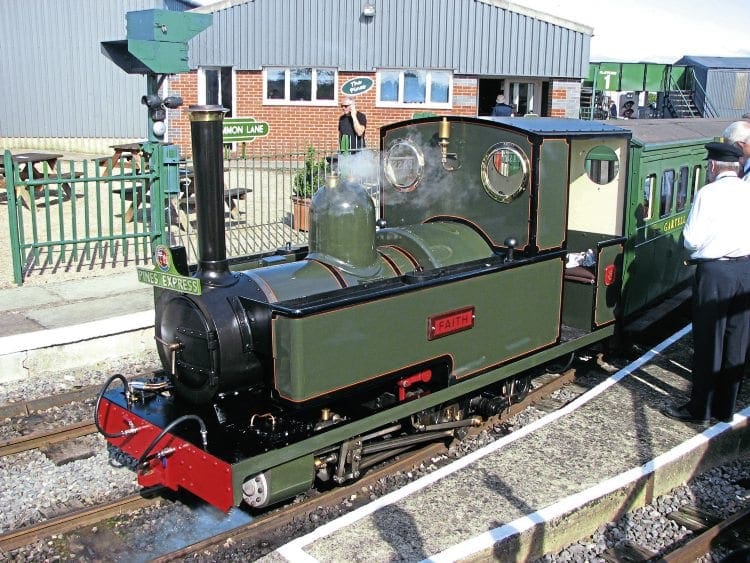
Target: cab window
665,194
601,164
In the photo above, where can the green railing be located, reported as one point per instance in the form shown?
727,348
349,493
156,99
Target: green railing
64,212
72,214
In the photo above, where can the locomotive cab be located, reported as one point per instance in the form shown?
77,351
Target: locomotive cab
595,241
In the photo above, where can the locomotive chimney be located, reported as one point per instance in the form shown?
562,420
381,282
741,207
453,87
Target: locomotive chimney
206,124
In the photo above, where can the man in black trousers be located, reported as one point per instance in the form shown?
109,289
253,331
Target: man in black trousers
718,237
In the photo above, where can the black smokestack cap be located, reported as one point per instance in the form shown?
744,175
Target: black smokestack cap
206,125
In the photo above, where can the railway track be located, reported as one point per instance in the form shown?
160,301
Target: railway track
41,439
732,533
73,521
710,533
264,526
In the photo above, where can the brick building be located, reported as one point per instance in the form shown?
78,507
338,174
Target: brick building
284,63
435,56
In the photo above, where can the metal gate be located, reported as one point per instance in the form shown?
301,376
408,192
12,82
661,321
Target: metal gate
63,212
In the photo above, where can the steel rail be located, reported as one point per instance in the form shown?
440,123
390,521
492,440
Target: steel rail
73,521
40,439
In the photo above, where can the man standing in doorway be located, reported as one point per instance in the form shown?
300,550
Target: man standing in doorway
352,125
716,233
502,109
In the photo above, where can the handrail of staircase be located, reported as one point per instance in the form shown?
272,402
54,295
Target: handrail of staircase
674,88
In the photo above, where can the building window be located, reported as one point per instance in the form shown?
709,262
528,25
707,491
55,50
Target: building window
216,87
299,85
414,88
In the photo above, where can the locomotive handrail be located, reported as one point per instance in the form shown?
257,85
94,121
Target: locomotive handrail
611,242
300,307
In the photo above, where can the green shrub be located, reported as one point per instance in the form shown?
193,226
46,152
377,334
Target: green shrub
310,177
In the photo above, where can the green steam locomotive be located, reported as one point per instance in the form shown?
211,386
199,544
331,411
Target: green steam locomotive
495,246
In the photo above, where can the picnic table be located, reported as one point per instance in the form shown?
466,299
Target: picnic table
126,155
232,196
36,165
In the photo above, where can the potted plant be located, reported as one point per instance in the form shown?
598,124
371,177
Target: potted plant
304,184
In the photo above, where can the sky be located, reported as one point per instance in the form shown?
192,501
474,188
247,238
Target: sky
657,31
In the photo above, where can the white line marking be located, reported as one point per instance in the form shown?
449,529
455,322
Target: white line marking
564,506
294,550
76,333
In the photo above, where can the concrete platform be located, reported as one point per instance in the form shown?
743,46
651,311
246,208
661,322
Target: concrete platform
531,492
73,323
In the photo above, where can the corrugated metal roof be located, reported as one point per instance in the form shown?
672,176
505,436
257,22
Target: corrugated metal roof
561,126
716,62
655,131
484,37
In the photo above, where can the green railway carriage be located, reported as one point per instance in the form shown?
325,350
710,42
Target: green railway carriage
666,166
499,245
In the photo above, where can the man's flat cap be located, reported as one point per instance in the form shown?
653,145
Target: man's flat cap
723,152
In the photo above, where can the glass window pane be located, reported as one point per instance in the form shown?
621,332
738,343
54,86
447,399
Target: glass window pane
696,181
325,85
439,87
667,188
682,189
414,88
388,86
300,84
275,84
212,86
648,190
227,100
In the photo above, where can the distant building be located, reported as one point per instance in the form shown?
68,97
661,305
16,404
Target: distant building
722,85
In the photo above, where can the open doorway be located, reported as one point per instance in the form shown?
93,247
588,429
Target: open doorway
526,96
489,88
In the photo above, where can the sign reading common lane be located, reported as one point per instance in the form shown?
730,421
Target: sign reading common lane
243,129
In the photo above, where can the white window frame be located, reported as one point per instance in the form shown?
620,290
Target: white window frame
428,104
202,86
285,101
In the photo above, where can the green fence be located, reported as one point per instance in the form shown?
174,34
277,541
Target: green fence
69,214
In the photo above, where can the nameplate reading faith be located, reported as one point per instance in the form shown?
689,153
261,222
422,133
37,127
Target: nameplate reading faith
170,281
450,323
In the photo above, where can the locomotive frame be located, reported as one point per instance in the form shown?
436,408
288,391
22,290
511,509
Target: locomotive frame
502,245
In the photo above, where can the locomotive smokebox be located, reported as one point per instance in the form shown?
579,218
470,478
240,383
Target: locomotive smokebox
342,228
206,124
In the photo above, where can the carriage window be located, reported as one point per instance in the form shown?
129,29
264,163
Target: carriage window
601,164
667,189
696,181
505,172
648,195
682,188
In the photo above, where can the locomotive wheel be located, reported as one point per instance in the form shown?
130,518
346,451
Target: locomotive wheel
515,389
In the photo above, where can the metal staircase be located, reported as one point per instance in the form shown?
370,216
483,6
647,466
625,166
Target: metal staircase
680,103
